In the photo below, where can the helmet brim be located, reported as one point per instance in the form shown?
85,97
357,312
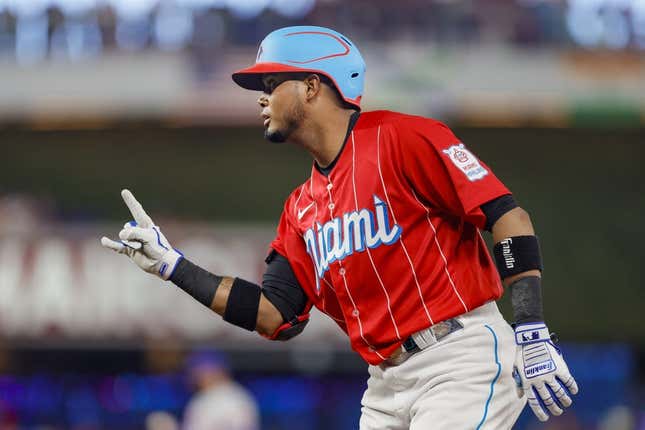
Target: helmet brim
250,78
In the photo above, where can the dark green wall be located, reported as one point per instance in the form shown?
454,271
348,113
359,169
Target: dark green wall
585,190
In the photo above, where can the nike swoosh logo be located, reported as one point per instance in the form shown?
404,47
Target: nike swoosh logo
302,212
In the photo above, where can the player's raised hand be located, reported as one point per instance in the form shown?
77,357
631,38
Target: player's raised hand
541,372
143,242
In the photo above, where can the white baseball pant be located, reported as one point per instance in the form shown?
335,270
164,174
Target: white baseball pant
463,381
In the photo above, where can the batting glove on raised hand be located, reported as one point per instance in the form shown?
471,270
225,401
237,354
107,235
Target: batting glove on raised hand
540,371
143,242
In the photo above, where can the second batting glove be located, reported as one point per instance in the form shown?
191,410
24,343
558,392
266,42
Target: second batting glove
541,372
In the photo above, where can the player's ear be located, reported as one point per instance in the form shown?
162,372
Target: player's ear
312,86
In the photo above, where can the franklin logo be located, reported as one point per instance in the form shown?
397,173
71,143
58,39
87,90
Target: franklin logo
509,260
352,232
540,369
466,162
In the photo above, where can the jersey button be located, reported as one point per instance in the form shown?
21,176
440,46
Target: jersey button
355,313
341,271
331,206
329,186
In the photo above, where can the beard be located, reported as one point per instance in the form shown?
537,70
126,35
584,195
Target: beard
293,121
275,136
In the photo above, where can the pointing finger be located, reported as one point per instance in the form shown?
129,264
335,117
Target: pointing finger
139,215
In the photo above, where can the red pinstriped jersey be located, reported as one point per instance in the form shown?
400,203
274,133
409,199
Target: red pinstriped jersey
389,242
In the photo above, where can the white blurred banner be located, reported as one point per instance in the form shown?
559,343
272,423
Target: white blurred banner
62,285
478,84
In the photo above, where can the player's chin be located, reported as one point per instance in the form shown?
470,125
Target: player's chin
274,136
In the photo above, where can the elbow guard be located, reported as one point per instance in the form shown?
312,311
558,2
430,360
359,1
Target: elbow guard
291,328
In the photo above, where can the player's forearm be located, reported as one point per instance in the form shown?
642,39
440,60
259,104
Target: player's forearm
214,292
525,286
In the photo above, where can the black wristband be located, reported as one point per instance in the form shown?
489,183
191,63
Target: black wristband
517,254
243,303
199,283
526,300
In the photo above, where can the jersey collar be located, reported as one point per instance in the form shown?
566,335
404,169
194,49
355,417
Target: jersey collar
327,170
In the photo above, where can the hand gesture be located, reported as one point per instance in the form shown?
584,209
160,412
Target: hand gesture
143,242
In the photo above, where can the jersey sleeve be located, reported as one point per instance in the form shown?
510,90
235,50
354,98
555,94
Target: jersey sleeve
289,244
444,173
287,239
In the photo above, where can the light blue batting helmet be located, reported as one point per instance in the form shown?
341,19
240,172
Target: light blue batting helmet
308,49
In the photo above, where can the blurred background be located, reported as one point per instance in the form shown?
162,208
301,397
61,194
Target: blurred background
98,95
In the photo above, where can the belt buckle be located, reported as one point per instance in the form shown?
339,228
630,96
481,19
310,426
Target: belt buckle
410,345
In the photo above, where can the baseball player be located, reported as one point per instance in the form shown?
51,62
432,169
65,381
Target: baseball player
384,238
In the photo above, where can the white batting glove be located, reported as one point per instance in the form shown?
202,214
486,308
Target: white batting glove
143,242
540,371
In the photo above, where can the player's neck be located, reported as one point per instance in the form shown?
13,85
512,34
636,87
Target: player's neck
324,138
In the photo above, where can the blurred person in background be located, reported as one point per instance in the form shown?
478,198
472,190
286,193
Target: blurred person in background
160,420
219,402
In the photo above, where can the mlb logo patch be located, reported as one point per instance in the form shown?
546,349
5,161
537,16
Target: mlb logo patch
529,336
466,162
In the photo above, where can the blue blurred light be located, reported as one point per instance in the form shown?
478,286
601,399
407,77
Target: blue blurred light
133,9
610,364
173,27
584,22
638,23
27,7
106,394
287,394
31,39
201,4
123,393
593,23
247,9
132,35
82,408
294,9
74,7
616,29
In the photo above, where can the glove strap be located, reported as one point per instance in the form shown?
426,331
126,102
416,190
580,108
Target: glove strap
531,333
169,262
